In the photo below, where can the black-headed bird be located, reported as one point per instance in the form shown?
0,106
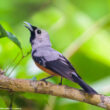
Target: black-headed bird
50,60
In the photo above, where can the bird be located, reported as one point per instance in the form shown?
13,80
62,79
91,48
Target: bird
50,60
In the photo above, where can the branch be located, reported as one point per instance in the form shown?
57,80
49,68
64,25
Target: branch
21,85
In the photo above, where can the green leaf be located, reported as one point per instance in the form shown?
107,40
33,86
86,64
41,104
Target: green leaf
13,38
2,32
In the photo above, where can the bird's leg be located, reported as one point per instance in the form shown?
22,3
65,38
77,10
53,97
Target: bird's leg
61,81
44,79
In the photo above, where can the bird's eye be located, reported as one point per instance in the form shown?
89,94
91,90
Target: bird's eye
39,31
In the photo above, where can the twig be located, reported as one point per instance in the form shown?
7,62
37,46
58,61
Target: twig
19,62
11,101
12,62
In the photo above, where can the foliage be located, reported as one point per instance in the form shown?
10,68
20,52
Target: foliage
9,35
66,21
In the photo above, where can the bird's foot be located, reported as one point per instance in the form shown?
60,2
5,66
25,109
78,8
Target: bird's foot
60,83
44,79
33,79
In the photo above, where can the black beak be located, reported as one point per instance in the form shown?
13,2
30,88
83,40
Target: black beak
29,26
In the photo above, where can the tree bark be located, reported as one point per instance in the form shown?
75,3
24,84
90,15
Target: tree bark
42,87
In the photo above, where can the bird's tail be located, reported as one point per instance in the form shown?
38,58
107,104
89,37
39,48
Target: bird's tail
86,87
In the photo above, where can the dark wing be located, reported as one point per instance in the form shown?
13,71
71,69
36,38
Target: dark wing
62,66
39,60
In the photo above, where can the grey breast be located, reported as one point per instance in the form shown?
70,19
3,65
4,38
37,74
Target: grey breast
48,53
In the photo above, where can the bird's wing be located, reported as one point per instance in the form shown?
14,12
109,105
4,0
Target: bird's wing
62,67
55,62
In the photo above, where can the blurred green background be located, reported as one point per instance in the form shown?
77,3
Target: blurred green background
80,29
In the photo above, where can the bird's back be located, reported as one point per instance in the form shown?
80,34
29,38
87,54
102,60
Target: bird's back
47,52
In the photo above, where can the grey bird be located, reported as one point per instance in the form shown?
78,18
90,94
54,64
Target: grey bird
50,60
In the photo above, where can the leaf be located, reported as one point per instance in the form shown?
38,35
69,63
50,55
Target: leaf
2,32
13,38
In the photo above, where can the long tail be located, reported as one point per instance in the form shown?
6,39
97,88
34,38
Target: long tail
86,87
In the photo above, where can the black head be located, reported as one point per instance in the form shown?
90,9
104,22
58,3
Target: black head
39,37
31,29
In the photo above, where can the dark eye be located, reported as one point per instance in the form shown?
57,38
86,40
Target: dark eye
39,31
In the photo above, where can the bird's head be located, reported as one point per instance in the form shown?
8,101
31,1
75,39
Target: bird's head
39,37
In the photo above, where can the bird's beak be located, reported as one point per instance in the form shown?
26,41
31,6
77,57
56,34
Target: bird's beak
28,25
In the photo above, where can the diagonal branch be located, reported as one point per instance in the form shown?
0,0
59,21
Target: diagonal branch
21,85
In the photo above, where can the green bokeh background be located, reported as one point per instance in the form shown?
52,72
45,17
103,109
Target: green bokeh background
67,22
